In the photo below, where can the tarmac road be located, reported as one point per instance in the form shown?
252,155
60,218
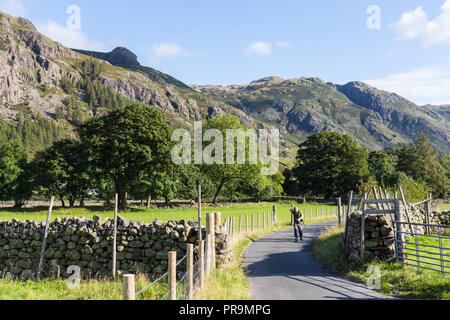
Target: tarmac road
280,269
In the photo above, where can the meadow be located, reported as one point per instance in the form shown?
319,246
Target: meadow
313,210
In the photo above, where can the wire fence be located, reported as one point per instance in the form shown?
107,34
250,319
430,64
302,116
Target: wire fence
418,249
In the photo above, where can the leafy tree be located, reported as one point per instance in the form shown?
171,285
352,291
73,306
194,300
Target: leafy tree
14,178
264,187
421,163
290,185
331,164
223,175
382,167
63,170
126,144
413,190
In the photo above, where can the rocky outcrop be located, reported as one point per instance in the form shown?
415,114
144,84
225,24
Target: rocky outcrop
88,244
33,67
377,119
399,114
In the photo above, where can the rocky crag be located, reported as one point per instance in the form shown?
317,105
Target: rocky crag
300,107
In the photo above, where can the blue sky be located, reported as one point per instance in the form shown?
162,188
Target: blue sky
236,42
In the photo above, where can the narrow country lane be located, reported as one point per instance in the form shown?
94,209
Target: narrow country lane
280,269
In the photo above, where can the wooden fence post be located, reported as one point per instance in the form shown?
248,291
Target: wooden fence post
190,272
339,210
240,225
208,255
128,287
218,218
114,262
275,214
253,222
428,212
44,242
210,229
246,223
347,214
259,221
172,275
406,208
264,221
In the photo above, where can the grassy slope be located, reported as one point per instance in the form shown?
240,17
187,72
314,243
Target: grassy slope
396,279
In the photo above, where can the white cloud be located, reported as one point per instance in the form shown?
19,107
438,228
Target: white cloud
259,48
422,86
415,24
168,50
283,44
13,7
71,38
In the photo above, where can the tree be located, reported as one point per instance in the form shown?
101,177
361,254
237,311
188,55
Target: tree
14,178
330,164
64,171
382,167
421,163
126,145
225,175
290,185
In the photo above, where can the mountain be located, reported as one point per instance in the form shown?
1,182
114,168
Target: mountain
443,110
300,107
42,80
47,90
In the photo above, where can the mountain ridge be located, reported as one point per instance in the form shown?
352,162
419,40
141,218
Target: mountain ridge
40,77
308,105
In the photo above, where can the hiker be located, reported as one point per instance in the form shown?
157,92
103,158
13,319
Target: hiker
298,219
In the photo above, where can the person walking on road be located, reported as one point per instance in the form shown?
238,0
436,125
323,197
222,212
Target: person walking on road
298,220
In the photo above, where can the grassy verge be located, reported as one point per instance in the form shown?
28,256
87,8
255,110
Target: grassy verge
230,281
88,290
396,279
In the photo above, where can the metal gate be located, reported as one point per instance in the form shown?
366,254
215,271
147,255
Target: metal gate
419,249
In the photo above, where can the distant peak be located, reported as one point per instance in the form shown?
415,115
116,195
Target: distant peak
122,56
267,80
357,84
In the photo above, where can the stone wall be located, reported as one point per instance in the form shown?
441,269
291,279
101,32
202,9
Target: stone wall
379,232
141,247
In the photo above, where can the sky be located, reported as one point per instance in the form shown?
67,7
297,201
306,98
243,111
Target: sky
400,46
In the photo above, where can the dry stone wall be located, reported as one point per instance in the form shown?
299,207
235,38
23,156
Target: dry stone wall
88,244
379,239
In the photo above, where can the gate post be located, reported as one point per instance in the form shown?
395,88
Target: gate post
400,236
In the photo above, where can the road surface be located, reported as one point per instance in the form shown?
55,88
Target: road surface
280,269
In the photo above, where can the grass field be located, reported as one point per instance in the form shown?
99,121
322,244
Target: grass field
396,279
148,215
228,283
428,259
444,207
